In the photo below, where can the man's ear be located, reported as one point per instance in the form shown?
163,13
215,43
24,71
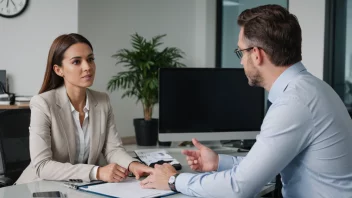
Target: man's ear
258,56
58,70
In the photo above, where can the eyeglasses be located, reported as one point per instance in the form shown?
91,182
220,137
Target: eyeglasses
239,52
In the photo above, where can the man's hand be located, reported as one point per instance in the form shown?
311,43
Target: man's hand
112,173
139,169
204,159
159,177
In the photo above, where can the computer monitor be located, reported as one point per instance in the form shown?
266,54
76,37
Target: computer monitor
208,104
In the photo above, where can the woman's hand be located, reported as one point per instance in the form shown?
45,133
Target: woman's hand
139,169
112,173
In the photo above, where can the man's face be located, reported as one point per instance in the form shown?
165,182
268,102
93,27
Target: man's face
251,71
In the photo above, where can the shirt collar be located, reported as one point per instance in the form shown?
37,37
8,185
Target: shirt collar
284,79
85,109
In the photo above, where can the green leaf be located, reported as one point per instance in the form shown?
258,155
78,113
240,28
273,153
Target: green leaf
142,63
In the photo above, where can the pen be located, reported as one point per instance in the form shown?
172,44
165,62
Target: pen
72,186
76,180
159,162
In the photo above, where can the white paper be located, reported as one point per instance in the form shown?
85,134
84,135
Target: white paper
152,156
129,188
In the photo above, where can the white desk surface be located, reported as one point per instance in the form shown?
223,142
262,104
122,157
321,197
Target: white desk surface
26,190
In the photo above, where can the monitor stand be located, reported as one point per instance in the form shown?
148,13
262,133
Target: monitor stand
244,145
210,144
219,146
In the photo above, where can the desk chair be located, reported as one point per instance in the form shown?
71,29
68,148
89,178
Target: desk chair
14,144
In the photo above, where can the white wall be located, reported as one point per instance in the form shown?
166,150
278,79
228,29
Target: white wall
109,25
204,33
311,16
26,39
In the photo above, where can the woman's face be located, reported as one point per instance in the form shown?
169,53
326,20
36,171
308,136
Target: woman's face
78,66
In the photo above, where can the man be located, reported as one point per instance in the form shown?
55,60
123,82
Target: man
306,135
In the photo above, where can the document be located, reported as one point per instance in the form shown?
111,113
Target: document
129,188
152,157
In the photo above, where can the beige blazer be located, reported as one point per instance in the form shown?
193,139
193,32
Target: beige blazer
52,137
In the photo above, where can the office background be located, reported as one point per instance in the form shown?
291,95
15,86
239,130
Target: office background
228,30
189,25
338,50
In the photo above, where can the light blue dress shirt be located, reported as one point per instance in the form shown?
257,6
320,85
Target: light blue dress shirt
306,136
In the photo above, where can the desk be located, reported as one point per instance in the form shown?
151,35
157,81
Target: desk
176,153
4,107
26,190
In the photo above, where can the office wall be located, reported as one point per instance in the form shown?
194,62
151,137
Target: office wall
311,16
230,29
189,25
26,39
205,33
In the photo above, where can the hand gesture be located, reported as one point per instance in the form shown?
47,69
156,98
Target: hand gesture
112,173
139,169
204,159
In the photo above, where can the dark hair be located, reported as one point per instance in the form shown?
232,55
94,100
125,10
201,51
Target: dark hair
55,57
275,30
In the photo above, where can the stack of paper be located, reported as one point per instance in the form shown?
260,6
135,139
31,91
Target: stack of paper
4,99
23,100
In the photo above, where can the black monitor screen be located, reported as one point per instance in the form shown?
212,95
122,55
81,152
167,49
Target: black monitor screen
208,100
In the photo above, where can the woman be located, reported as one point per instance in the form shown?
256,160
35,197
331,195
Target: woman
72,125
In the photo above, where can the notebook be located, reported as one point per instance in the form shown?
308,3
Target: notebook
129,188
151,157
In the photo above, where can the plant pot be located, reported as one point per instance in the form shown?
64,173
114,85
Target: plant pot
146,131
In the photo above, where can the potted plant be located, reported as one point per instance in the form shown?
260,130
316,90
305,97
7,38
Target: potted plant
140,80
